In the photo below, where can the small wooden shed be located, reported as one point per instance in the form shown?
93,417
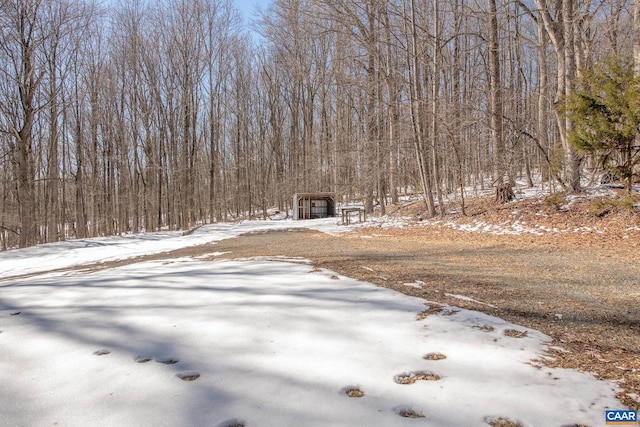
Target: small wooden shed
314,205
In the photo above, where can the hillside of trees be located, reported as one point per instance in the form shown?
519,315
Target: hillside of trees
144,115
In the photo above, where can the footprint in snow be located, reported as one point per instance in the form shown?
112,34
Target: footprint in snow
513,333
188,376
434,356
232,423
502,422
102,352
353,391
407,412
142,359
169,361
412,377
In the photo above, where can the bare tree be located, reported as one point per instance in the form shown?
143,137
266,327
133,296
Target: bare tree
561,31
636,37
503,189
24,35
417,117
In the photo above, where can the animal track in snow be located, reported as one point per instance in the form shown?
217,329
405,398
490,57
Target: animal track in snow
514,333
142,359
353,391
188,376
434,356
102,352
502,422
232,423
412,377
407,412
169,361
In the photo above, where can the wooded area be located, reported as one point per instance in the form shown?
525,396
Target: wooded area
147,115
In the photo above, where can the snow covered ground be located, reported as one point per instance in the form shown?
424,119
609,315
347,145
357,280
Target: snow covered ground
262,342
83,251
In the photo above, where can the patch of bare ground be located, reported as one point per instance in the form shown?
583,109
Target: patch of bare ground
597,222
581,287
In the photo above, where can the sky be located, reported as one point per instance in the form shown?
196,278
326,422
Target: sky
248,7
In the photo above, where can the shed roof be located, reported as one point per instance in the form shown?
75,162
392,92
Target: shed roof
320,195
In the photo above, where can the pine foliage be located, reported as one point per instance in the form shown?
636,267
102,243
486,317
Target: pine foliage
605,110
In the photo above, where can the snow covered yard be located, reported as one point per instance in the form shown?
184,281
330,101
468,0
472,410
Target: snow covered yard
84,251
260,342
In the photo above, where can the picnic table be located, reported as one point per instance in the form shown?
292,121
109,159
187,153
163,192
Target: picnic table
346,214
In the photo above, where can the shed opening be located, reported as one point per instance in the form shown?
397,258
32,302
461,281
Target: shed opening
314,205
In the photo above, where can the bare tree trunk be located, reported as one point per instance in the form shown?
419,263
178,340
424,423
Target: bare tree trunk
51,212
392,99
495,88
435,106
94,186
636,38
417,117
371,133
572,159
562,37
81,217
28,79
543,142
23,158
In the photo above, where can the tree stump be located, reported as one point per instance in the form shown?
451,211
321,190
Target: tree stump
504,193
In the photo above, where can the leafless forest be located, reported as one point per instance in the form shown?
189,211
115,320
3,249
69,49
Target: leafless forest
144,115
